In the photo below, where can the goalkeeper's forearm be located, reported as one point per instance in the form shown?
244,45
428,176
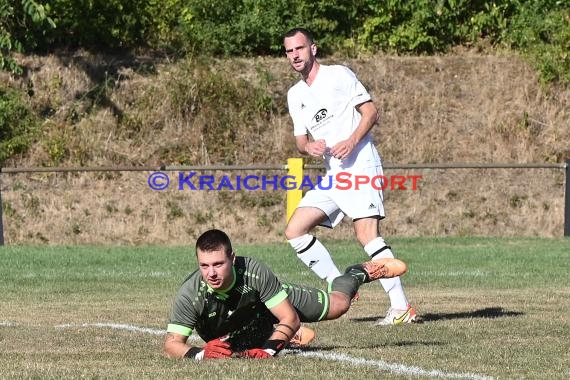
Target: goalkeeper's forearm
175,346
281,336
284,331
177,350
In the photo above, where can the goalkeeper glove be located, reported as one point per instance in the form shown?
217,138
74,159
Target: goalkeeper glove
270,349
257,353
214,349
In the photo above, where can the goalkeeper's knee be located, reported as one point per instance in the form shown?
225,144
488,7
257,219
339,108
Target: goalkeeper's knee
346,284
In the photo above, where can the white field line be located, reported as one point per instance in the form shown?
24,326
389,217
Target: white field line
475,273
118,326
399,369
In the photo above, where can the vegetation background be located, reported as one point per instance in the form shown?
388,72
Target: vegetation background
112,83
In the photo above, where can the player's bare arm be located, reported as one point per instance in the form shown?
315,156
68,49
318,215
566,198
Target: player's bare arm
312,148
175,345
369,113
288,318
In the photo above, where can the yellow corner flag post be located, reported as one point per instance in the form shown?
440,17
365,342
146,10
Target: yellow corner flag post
295,172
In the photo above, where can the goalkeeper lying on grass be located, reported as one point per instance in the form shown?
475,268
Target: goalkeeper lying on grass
241,309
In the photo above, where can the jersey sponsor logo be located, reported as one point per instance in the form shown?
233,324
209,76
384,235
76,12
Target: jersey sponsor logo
320,115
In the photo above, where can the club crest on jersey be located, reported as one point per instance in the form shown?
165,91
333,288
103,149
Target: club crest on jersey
320,115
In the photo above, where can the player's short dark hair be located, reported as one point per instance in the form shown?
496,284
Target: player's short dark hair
212,240
305,32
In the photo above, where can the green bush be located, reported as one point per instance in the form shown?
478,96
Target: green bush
89,24
17,21
97,24
538,28
541,31
230,27
17,124
421,26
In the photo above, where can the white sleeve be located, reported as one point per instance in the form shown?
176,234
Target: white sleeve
299,129
357,91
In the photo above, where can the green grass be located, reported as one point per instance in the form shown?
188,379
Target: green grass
491,308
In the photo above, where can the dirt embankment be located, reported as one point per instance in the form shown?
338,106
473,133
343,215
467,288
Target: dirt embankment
105,111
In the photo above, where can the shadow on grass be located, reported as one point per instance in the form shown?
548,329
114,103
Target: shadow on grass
489,312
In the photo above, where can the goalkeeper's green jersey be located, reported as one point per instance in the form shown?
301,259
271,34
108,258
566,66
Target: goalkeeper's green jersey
242,311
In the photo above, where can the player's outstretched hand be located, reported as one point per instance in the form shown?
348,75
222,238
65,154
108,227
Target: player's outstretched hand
255,353
217,349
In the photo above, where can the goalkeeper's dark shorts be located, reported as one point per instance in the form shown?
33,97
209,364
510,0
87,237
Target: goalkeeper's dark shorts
312,304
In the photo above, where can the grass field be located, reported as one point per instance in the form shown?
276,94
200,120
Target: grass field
490,308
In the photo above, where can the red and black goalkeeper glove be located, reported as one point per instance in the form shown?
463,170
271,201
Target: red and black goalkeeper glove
214,349
256,353
217,349
270,349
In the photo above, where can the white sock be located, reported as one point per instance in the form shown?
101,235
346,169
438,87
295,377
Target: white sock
315,256
378,249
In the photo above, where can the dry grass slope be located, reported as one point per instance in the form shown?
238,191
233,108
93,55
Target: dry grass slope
106,111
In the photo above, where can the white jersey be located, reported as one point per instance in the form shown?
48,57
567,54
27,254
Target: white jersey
326,110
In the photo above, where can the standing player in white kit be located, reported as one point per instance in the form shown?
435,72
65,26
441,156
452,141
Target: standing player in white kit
333,107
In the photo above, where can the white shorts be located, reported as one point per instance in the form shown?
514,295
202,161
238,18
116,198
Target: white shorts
339,198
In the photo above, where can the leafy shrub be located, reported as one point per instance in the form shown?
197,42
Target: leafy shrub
538,28
541,30
17,19
229,27
17,124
